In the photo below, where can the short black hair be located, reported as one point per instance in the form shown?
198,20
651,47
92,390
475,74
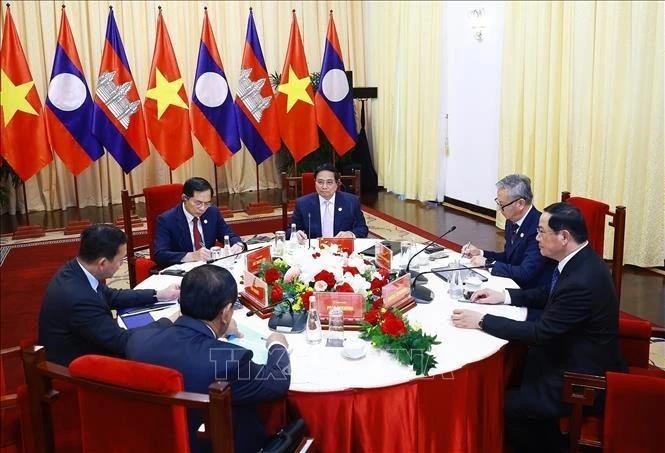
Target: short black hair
326,166
101,241
196,184
206,290
565,216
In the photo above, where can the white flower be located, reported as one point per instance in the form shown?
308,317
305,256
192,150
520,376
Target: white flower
320,285
292,274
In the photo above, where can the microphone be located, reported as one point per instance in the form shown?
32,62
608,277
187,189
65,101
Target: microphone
309,230
425,295
408,265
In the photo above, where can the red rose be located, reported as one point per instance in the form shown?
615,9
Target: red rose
385,273
392,325
375,286
377,304
372,316
352,269
271,275
327,277
316,255
305,298
276,293
344,288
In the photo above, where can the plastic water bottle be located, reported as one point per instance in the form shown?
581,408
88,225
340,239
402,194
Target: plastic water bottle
293,239
227,246
456,290
313,333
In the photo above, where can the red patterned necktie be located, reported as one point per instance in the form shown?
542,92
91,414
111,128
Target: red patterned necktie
198,242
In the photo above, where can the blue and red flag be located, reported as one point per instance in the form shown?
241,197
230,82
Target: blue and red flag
334,98
118,121
212,111
69,106
257,111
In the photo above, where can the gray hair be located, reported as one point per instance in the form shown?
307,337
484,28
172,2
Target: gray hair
518,186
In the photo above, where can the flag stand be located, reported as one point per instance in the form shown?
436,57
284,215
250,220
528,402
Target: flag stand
77,226
258,206
27,231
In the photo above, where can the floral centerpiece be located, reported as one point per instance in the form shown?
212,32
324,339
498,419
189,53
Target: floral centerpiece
329,269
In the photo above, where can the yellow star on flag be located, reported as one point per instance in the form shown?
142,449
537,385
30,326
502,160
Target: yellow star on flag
165,93
295,90
13,98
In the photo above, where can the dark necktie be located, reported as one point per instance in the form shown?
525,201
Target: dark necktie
198,242
555,279
513,236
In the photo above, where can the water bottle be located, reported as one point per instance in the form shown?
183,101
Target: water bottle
227,246
456,290
313,333
293,238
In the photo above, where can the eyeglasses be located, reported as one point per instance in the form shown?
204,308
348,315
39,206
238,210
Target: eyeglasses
504,206
326,182
199,203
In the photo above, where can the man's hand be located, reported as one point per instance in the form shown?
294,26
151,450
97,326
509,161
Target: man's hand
488,296
466,319
232,329
237,248
301,236
345,234
202,254
478,260
470,250
277,337
171,292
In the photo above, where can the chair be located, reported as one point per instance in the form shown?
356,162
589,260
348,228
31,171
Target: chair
157,200
125,405
10,429
297,186
594,213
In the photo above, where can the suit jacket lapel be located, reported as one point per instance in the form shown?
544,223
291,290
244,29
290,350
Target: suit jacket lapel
337,213
315,210
183,226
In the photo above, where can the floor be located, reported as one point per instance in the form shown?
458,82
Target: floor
643,291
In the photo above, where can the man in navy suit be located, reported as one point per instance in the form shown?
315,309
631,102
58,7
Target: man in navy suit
187,231
191,346
328,212
577,332
520,259
75,318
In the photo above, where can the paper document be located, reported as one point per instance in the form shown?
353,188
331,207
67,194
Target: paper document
253,341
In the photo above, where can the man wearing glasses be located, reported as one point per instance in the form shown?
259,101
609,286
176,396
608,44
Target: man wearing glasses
187,231
328,212
520,259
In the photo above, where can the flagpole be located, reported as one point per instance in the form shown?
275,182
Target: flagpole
25,204
258,191
214,169
76,192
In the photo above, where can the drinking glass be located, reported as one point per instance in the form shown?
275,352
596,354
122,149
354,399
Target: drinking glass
280,243
406,252
335,327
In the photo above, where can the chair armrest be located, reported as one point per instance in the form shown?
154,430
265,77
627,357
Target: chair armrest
579,390
8,400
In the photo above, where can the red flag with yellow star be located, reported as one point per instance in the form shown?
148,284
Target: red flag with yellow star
295,100
166,107
24,144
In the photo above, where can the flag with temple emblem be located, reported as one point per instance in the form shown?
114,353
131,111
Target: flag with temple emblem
257,110
24,144
334,99
166,107
117,119
212,111
295,100
69,106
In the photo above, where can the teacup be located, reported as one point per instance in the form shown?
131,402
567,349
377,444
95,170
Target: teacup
471,285
354,348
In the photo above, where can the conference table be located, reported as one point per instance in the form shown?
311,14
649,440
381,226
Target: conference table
376,404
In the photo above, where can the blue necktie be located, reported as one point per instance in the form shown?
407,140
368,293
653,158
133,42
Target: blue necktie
555,278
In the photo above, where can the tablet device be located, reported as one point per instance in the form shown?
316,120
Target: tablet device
465,273
395,246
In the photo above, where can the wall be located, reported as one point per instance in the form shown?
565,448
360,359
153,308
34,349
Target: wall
471,101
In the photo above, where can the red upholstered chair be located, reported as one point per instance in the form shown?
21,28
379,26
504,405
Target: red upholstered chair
125,405
157,200
633,419
594,213
634,341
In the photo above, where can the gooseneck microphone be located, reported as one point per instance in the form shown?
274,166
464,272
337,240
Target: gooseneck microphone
408,265
309,230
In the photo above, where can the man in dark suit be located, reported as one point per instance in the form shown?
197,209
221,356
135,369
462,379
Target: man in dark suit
520,259
328,212
187,231
578,330
75,318
191,346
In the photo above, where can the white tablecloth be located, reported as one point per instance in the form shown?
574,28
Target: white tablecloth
317,368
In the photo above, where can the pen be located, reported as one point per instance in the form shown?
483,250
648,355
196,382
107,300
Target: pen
466,246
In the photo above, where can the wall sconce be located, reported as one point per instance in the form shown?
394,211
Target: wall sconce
477,21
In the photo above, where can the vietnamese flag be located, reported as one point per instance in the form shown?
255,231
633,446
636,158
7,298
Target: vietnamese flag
24,143
295,100
166,107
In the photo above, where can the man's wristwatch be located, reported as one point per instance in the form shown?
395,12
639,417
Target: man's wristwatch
480,323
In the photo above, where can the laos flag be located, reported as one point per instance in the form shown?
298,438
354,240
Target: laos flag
118,121
69,107
212,111
257,111
334,99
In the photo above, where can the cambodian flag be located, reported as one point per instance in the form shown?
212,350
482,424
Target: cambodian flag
212,111
334,98
118,121
69,107
257,111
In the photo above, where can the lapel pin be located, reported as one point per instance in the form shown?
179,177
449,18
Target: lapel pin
205,220
521,235
339,209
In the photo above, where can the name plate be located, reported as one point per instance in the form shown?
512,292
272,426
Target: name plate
344,244
256,288
396,291
256,258
352,304
383,256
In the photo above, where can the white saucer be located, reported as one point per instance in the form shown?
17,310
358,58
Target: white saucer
347,357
